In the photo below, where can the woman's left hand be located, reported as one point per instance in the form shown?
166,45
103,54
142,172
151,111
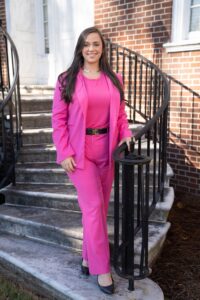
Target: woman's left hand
127,141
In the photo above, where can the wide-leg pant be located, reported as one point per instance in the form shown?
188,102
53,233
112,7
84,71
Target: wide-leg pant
93,185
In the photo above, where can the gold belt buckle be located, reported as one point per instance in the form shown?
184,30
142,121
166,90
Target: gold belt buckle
95,131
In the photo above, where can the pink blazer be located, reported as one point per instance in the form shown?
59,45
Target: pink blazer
68,122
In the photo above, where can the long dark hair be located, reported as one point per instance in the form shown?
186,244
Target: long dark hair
68,78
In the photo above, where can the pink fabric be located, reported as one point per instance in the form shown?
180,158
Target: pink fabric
98,103
93,175
93,196
69,122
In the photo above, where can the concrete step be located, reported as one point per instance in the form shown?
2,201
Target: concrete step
38,165
36,90
43,152
64,197
36,120
37,136
36,103
64,228
37,153
54,273
48,172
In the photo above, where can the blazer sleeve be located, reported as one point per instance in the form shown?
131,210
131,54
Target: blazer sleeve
122,121
60,133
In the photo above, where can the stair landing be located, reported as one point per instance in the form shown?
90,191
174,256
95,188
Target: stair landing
55,272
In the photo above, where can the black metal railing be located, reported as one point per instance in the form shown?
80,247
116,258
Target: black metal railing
183,124
10,108
143,170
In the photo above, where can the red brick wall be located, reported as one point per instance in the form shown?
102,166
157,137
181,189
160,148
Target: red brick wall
2,42
3,13
143,26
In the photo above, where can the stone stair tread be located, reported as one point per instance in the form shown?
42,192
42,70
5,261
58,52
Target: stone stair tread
38,165
36,97
37,147
37,130
40,111
67,190
36,114
168,200
38,188
47,169
37,86
56,271
36,90
64,197
54,167
50,130
69,222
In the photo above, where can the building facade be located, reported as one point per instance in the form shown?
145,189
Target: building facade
166,32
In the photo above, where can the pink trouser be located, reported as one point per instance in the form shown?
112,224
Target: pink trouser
93,185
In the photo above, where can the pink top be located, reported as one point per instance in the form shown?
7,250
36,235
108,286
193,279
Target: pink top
98,102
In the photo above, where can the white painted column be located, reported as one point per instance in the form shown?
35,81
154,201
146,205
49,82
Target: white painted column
21,27
66,19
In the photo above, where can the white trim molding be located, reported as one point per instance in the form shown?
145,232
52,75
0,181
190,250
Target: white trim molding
182,46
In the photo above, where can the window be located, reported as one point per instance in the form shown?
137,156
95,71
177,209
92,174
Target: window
194,29
185,26
46,28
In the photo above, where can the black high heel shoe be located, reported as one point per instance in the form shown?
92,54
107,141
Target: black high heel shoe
84,269
109,289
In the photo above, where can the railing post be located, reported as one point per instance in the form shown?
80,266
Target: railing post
116,214
128,224
164,152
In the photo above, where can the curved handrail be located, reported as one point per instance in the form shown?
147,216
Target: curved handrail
10,109
150,123
16,74
129,159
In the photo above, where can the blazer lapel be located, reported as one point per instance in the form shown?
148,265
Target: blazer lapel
81,94
114,109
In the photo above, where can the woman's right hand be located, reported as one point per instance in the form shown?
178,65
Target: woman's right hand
68,164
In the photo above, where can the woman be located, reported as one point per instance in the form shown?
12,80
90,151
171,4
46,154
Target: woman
88,122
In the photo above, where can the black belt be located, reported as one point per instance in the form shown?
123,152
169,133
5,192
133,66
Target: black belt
96,131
